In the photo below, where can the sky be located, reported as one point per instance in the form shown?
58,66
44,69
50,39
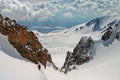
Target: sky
49,15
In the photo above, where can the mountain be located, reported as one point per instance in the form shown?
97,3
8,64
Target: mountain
103,66
82,53
85,50
66,41
24,41
14,66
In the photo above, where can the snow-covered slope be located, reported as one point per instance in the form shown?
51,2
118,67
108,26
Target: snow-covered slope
104,66
14,67
106,63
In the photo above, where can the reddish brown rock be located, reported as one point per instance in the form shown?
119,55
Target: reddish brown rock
25,41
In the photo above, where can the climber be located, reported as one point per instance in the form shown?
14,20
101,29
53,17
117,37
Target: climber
44,66
39,67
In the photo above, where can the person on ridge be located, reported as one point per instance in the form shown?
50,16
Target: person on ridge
39,67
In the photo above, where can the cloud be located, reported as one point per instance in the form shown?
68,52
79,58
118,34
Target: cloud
60,27
47,14
68,15
24,10
43,14
14,9
43,27
37,1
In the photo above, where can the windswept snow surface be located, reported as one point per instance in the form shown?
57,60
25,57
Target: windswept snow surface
104,66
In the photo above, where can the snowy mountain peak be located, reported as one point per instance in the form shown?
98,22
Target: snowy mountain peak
97,24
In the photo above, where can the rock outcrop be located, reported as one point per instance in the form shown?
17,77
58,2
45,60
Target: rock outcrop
112,32
107,34
82,53
24,41
96,23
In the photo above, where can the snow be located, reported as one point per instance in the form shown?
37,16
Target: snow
7,48
14,67
104,66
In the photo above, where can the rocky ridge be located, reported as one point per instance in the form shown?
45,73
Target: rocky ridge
24,41
82,53
85,49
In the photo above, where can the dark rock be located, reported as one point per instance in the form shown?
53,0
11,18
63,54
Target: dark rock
96,23
111,33
107,34
6,18
112,23
82,53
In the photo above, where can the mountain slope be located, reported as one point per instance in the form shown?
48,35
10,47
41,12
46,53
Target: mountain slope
104,66
7,48
14,67
106,62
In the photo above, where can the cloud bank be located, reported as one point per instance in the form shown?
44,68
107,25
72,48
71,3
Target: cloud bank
24,10
68,15
56,13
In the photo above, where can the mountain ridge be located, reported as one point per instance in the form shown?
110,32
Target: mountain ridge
24,41
105,24
105,64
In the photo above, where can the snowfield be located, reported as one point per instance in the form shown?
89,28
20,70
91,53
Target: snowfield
17,68
14,67
104,66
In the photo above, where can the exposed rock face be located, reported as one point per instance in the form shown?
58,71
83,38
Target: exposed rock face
96,23
118,30
82,53
25,41
112,32
107,34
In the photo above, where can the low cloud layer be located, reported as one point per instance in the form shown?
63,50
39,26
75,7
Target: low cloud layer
68,15
56,13
23,10
26,10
